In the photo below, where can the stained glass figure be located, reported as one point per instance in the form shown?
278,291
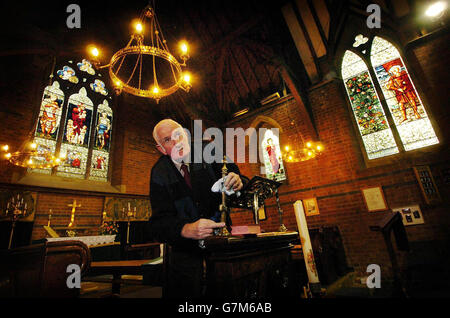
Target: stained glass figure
76,135
50,112
78,120
404,103
76,160
100,154
273,161
86,66
48,124
68,74
103,128
99,168
369,114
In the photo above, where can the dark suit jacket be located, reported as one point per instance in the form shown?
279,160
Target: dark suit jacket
174,204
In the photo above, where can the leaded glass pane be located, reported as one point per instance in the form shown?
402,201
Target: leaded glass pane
99,165
68,74
50,112
76,134
100,155
369,114
273,161
404,103
99,87
86,66
47,127
75,164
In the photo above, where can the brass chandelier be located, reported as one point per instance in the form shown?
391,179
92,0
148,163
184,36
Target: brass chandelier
30,155
131,71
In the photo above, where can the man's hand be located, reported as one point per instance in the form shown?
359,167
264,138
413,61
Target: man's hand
200,229
234,181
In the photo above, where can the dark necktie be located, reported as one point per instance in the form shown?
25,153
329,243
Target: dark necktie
187,176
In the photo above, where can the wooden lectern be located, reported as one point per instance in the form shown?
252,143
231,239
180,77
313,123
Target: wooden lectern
248,266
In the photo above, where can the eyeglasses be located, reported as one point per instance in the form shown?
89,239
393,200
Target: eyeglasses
166,141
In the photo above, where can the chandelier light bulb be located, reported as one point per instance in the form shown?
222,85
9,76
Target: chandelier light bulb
436,9
138,27
286,148
184,47
187,77
95,52
5,148
308,144
30,162
155,90
33,145
8,155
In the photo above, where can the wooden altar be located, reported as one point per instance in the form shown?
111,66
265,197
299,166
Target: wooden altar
248,266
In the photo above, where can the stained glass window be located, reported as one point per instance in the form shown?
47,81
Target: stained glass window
369,114
75,120
102,141
404,103
48,124
75,145
273,161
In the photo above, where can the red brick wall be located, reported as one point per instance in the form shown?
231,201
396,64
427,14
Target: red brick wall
88,214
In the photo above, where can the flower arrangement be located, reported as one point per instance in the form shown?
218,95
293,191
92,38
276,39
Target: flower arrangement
109,228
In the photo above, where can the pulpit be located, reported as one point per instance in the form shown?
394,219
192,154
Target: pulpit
248,266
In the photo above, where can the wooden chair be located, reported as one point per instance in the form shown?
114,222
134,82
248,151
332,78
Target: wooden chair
41,270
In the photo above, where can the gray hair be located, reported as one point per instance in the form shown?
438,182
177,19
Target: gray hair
159,124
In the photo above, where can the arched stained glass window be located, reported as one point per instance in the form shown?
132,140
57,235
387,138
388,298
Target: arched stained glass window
401,96
75,144
369,114
100,154
48,124
273,161
75,120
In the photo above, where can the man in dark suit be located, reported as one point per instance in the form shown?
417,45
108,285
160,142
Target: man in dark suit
184,209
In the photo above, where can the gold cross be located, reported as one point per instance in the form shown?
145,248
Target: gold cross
72,217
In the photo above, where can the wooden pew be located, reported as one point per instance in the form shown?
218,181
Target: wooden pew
40,270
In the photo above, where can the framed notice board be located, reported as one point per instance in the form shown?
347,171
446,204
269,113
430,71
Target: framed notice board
427,184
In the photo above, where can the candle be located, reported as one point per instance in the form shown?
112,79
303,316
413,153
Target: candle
305,240
128,206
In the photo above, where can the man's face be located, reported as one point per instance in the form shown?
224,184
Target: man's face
173,141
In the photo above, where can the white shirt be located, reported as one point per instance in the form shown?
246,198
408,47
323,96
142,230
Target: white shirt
178,165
